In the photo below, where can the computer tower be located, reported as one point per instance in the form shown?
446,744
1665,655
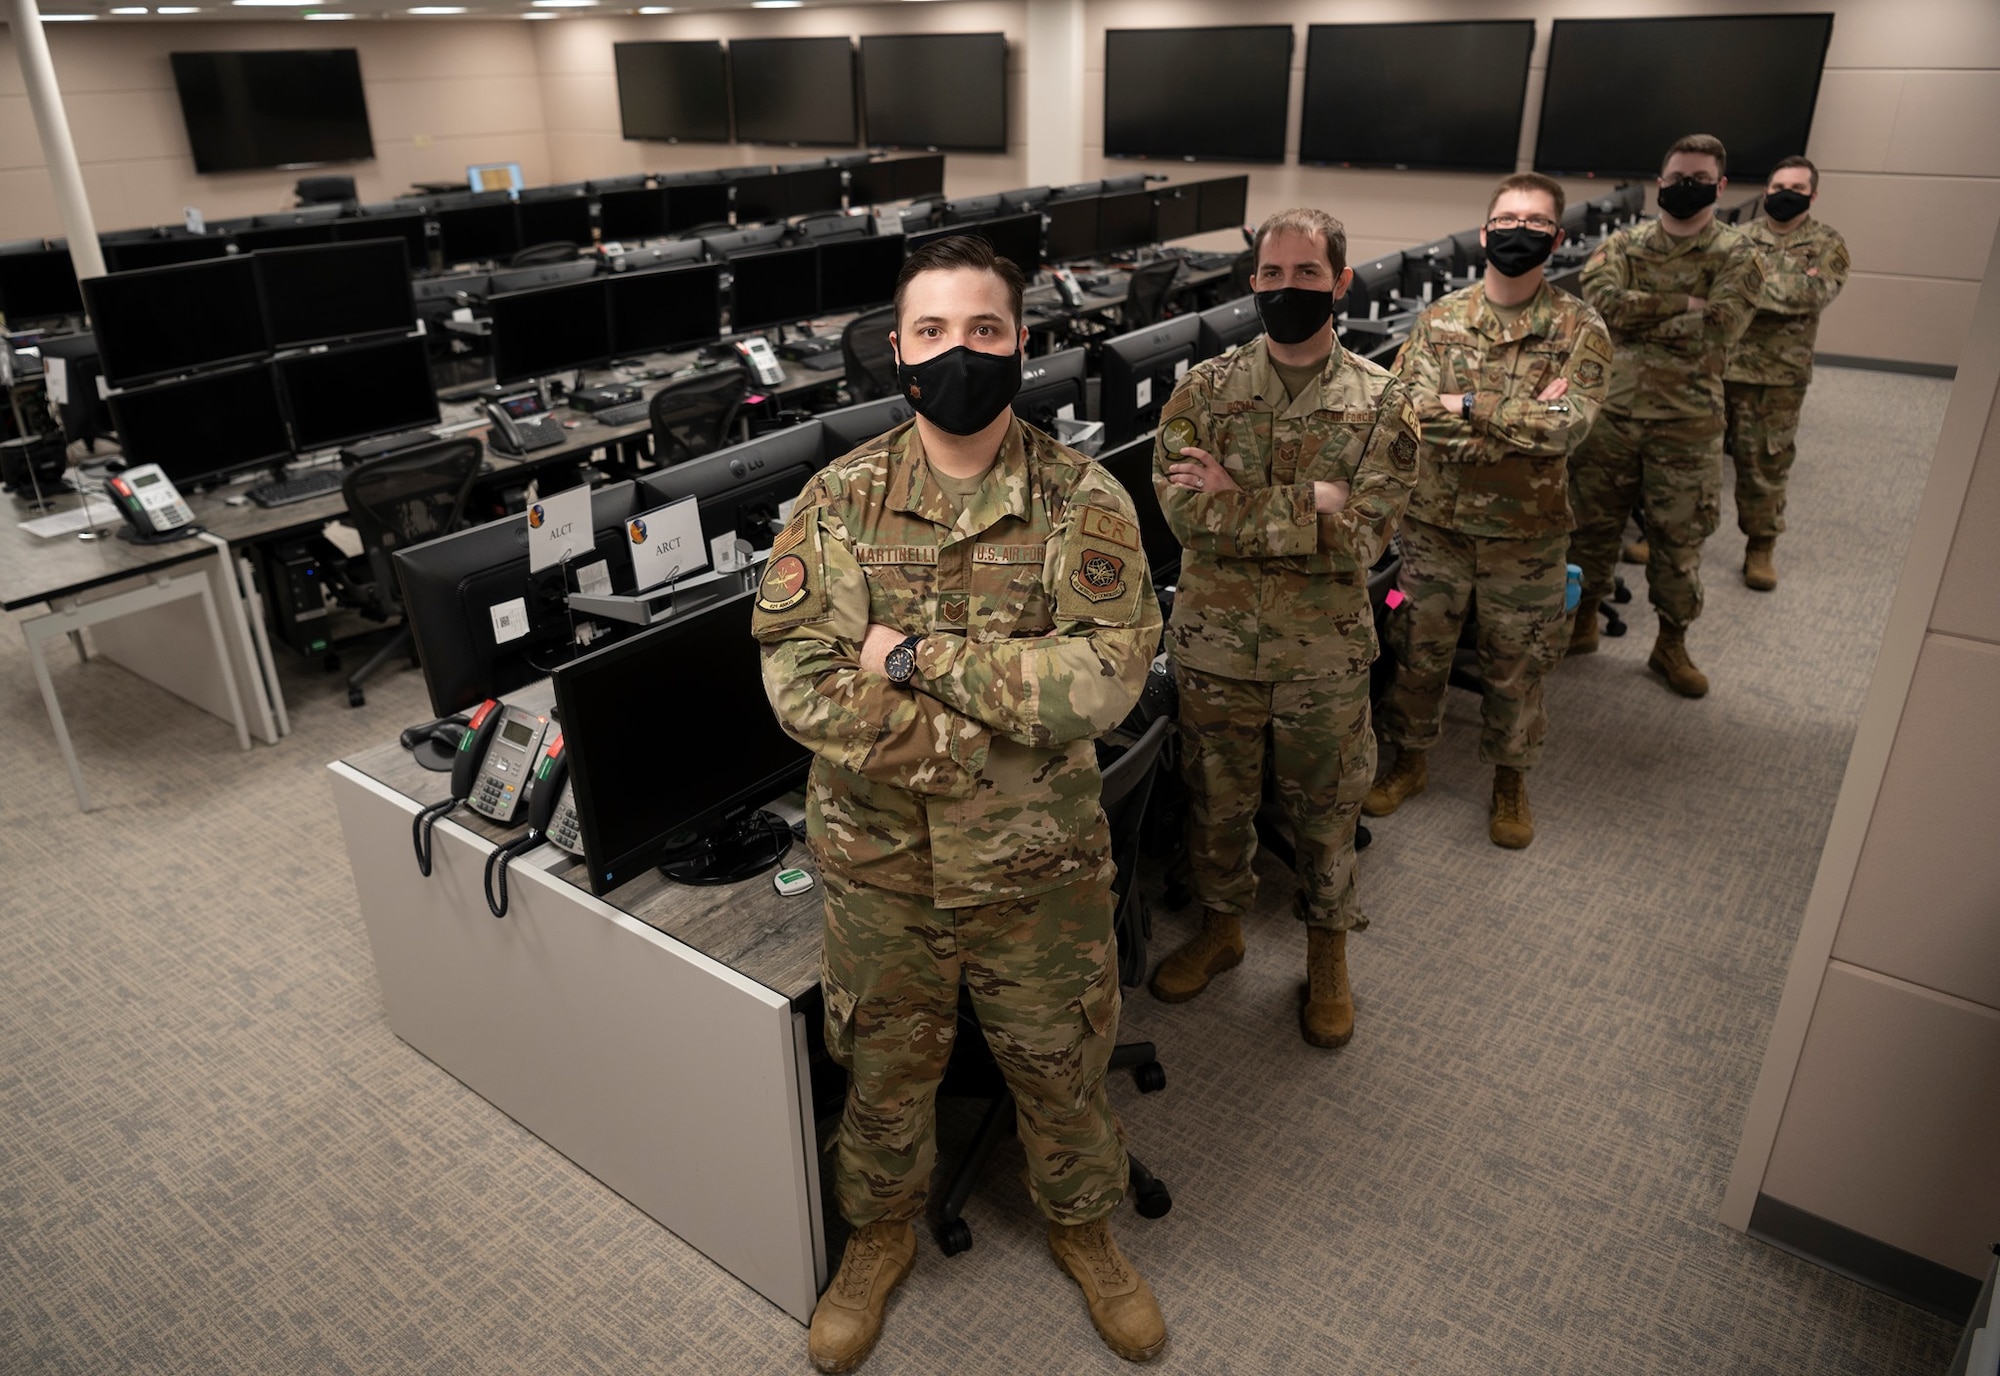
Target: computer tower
295,598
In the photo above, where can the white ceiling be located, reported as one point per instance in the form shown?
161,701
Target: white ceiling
118,12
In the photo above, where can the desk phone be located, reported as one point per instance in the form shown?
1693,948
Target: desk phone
521,422
496,760
149,501
551,817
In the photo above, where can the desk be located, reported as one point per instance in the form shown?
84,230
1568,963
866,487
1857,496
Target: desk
656,1037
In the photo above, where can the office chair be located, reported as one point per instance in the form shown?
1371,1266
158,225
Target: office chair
1146,293
1128,787
696,415
1242,272
324,190
403,499
864,348
556,251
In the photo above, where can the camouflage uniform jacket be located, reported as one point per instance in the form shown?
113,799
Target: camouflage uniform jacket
1666,362
978,781
1804,269
1270,590
1502,473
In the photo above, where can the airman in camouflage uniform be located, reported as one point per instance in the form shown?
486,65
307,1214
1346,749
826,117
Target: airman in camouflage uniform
1505,394
1676,293
1764,384
955,817
1283,492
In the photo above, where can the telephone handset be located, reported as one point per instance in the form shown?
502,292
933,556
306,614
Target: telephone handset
490,772
151,505
1068,288
551,817
519,423
760,361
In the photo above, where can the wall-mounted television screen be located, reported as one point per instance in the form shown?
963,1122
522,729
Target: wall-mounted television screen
793,90
936,90
678,92
1197,93
277,108
1446,96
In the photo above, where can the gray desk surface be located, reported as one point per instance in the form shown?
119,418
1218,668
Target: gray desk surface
749,927
34,570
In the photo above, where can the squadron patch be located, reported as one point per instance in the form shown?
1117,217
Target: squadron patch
1176,435
1589,373
1099,577
784,584
1404,452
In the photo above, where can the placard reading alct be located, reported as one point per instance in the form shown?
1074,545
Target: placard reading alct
666,543
558,527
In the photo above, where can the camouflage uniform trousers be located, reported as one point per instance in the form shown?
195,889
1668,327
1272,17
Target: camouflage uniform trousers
1672,471
1523,631
1042,973
1763,428
1322,759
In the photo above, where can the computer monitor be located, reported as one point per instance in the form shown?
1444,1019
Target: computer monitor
673,748
168,320
335,291
494,176
300,215
633,214
1131,464
1224,203
206,427
1024,198
1072,229
550,330
733,242
478,233
600,186
283,236
773,288
670,309
760,199
1225,326
1125,221
1427,266
1469,254
1077,191
1139,371
1374,283
136,255
814,190
855,274
1052,387
555,220
1017,237
1125,181
692,205
850,427
351,393
920,176
452,585
966,209
542,275
38,284
871,183
1176,213
413,229
740,488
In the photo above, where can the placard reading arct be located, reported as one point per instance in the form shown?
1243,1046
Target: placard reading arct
666,543
558,527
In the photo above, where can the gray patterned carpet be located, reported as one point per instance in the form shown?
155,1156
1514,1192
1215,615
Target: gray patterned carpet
214,1156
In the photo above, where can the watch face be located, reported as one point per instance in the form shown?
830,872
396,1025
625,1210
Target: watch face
900,663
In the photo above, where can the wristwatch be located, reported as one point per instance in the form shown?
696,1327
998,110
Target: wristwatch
901,663
1465,405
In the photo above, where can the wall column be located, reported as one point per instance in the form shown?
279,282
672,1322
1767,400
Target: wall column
1054,63
38,74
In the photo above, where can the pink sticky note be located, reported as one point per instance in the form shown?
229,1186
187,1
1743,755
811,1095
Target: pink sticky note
1394,598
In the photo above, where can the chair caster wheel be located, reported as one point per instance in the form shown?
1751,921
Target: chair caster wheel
1614,624
355,697
1620,593
1150,1077
954,1237
1152,1201
1362,836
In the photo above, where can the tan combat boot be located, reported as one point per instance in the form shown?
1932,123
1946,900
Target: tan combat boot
1759,571
1218,946
1511,824
1121,1303
1402,780
1670,660
1636,551
1583,638
1326,1015
848,1319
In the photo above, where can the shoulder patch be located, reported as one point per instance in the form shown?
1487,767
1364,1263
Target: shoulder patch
1099,575
1403,451
1097,523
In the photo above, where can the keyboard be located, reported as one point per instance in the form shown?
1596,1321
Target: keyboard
631,413
306,486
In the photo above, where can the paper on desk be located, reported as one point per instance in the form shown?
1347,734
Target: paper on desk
55,374
92,513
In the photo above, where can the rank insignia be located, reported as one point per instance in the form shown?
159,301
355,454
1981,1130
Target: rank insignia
784,585
1100,577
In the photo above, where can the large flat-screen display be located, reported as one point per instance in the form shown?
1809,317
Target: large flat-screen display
278,108
1445,96
793,90
678,92
1197,93
1620,90
170,320
936,90
335,291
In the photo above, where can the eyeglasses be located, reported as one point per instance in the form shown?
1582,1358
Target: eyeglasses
1682,179
1538,223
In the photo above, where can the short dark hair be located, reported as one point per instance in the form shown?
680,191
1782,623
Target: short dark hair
1806,163
1308,221
961,251
1529,181
1707,145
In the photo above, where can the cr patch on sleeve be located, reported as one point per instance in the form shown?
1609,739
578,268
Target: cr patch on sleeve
1096,523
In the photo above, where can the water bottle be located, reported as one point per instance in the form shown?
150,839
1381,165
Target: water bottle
1572,587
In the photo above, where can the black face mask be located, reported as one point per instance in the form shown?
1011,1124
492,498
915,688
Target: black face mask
1685,200
1292,315
961,391
1785,205
1515,251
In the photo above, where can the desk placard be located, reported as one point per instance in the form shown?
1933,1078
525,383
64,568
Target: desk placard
666,543
558,527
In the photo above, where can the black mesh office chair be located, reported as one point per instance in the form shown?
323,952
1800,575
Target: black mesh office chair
1146,293
1242,271
1128,787
864,348
555,251
324,190
696,415
403,499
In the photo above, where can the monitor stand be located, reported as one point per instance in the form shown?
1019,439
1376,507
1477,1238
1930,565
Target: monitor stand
746,846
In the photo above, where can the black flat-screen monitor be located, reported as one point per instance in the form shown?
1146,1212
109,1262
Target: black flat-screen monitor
1052,388
1444,96
740,488
632,215
936,90
793,90
773,288
38,284
136,255
203,428
855,274
676,91
1224,203
760,199
451,586
1072,231
339,395
412,229
919,177
1131,464
671,740
550,330
1618,91
1124,221
1225,326
695,205
335,291
1176,212
282,236
814,190
1016,237
1197,93
871,183
1139,371
670,309
843,431
253,108
169,320
560,220
478,233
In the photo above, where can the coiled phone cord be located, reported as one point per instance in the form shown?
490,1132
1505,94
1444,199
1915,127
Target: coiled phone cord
496,868
420,832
